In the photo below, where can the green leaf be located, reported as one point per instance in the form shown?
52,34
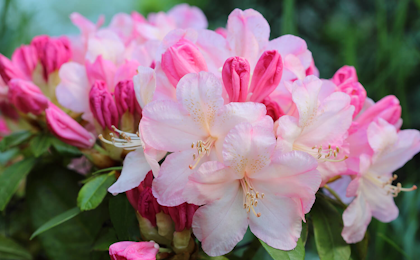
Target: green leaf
296,254
116,168
14,139
359,250
51,190
57,220
107,237
203,256
11,178
9,249
393,244
93,192
328,225
304,232
40,144
123,218
65,149
6,156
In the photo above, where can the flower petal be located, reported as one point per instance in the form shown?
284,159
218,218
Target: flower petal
356,218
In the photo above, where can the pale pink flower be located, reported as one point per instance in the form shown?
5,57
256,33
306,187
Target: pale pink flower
128,250
186,16
372,186
255,186
319,126
192,128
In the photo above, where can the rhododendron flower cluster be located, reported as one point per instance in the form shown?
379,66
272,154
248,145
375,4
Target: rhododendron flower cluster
219,131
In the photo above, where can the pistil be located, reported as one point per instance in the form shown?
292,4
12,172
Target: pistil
203,148
394,190
250,197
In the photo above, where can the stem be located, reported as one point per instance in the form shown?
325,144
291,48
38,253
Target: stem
335,195
100,149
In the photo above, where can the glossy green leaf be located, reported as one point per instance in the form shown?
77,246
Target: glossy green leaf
296,254
40,144
328,225
65,149
11,250
11,178
93,192
14,139
50,191
123,218
57,220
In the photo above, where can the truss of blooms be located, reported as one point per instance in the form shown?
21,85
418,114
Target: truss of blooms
221,130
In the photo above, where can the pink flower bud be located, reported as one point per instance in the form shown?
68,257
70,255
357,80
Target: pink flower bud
27,97
8,110
67,129
182,215
388,108
128,250
8,70
235,75
222,31
52,52
182,58
267,75
125,98
25,58
273,108
346,81
102,105
345,74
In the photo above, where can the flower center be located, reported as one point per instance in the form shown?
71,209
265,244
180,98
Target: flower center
203,148
250,197
394,190
129,141
328,154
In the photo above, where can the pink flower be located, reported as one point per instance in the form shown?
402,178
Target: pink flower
235,74
346,80
319,127
192,128
103,106
180,59
373,184
67,129
8,70
273,108
266,76
128,250
255,186
26,59
222,31
27,97
186,16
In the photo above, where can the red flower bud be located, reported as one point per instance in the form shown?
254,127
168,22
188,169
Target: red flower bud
8,70
25,58
27,97
102,105
235,75
125,98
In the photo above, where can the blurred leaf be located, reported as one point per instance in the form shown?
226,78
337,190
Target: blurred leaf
393,244
8,155
57,220
123,217
65,149
11,178
14,139
296,254
359,250
9,249
40,144
93,192
304,233
51,190
327,225
106,238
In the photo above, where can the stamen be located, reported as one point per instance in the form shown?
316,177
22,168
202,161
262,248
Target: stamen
329,154
390,189
129,141
203,148
250,197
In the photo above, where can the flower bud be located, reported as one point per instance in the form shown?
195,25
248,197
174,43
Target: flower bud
27,97
7,110
180,59
102,105
273,108
67,129
125,98
235,75
128,250
25,58
388,108
8,70
267,75
52,52
344,75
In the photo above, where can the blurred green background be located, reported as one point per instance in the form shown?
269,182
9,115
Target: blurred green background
381,38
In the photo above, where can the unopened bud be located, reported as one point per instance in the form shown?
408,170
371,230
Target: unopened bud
267,75
102,105
273,108
388,108
125,98
27,97
345,74
182,58
8,70
67,129
128,250
25,58
235,75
